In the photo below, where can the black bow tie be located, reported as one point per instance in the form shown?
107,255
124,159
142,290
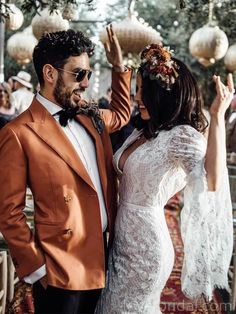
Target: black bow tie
90,110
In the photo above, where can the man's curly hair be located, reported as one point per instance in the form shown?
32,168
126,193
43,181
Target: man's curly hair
56,48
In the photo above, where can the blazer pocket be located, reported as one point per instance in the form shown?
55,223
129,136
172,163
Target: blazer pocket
50,232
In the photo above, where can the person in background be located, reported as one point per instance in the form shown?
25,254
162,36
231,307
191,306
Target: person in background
22,96
104,101
7,110
10,81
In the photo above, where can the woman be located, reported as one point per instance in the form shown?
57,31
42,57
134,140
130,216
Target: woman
7,111
166,153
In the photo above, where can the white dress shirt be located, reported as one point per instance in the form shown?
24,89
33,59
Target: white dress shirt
84,146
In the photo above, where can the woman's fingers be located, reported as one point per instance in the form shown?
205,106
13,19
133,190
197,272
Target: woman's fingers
224,95
219,85
230,83
221,88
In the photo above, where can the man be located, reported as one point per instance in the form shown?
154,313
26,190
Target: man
22,96
69,171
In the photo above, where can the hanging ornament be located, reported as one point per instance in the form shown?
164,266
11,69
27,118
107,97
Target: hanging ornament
70,12
230,58
15,18
47,23
20,47
182,4
28,30
133,35
208,43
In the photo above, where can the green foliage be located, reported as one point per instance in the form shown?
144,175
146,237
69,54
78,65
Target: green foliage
35,6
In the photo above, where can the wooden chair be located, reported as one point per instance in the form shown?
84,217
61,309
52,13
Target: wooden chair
12,279
3,281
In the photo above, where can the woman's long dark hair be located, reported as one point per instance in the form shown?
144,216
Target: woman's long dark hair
168,108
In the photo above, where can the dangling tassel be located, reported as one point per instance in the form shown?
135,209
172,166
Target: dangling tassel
182,4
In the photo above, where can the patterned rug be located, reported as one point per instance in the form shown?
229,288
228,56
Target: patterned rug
22,302
173,300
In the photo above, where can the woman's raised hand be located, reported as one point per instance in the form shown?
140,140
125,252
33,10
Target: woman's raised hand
113,50
224,95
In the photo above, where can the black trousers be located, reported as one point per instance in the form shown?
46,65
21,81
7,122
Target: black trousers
59,301
54,300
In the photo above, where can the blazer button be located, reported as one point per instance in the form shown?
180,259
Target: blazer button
67,199
69,232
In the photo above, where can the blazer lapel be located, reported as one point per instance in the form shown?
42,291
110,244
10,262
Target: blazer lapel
101,161
45,126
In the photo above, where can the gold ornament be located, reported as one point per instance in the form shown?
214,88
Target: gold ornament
133,35
230,58
20,47
70,12
208,44
15,19
47,23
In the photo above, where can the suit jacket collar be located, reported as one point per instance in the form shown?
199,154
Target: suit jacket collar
47,128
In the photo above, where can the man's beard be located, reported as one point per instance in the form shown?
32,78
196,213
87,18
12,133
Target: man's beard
63,97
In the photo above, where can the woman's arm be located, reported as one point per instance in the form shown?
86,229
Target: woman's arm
216,147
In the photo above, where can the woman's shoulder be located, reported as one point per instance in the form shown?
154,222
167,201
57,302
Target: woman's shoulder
186,137
187,131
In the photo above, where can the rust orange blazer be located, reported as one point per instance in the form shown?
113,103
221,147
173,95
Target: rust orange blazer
68,237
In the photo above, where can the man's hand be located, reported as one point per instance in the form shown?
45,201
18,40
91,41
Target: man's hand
113,50
44,282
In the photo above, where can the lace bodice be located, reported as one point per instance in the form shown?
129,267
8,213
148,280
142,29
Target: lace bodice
147,171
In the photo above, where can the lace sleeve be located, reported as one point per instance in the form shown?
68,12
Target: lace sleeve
206,219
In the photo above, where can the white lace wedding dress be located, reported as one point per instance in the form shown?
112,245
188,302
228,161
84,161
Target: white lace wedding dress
142,256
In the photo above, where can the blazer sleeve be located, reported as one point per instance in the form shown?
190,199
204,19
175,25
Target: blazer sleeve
118,114
26,255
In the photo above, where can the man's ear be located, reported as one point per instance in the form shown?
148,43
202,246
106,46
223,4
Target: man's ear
50,74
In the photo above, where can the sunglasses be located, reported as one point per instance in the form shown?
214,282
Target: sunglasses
79,74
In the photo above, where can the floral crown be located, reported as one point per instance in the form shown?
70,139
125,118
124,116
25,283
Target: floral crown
157,64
